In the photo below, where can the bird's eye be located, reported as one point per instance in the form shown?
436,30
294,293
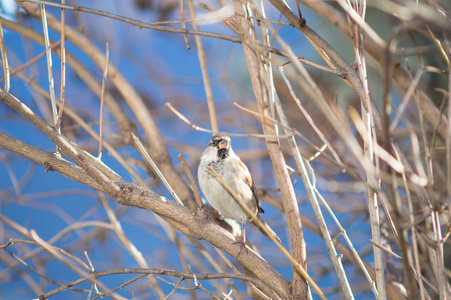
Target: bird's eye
214,141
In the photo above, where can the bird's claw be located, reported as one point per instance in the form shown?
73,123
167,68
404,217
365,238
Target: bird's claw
242,243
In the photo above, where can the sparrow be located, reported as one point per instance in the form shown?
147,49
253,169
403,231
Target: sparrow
221,158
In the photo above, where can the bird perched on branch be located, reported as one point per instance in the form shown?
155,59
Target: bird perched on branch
221,169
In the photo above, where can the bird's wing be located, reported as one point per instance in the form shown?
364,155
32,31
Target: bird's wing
250,182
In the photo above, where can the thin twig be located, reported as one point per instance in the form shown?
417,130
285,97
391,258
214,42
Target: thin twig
138,23
343,232
191,180
225,21
107,293
309,118
102,99
94,285
380,246
182,22
131,248
63,68
48,53
198,128
155,168
174,289
165,272
4,59
204,70
53,251
31,61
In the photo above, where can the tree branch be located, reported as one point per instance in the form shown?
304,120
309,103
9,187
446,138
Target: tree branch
197,225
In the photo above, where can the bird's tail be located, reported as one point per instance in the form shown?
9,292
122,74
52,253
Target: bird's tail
272,232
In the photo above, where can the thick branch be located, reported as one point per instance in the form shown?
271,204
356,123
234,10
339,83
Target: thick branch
196,225
49,160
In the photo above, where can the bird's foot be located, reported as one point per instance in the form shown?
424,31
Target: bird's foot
242,243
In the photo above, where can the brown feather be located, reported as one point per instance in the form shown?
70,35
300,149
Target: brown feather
250,182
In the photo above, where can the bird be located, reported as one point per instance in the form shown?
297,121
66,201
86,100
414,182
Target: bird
220,157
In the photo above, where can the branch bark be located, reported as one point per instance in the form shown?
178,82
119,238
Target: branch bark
299,288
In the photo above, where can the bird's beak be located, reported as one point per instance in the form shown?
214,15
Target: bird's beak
223,144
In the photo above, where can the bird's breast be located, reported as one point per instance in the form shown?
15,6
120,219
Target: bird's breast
218,196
